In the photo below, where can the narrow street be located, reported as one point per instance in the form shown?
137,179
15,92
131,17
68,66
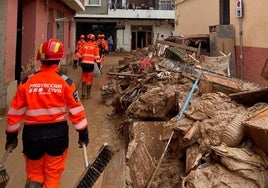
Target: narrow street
102,129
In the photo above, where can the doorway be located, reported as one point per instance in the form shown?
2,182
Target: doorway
141,36
108,29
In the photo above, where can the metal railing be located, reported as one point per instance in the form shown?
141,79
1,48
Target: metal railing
159,6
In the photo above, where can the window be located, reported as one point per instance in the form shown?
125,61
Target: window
93,2
60,26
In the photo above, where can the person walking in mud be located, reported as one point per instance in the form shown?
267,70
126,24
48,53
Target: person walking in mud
79,44
90,55
44,101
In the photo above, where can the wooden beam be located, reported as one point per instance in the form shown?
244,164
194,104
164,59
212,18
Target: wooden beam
172,44
124,74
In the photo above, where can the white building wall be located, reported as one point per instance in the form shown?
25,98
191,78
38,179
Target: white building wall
123,38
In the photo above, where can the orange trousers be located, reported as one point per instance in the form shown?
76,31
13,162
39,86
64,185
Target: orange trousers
47,170
87,77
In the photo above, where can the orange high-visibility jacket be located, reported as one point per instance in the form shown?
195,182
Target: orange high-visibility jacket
89,53
79,44
103,46
46,97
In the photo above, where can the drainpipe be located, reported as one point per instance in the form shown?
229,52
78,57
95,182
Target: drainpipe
241,49
239,15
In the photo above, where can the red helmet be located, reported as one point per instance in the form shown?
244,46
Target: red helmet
82,36
51,49
91,37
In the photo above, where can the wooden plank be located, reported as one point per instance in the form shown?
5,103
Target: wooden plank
114,173
124,74
223,81
250,97
260,114
141,165
172,44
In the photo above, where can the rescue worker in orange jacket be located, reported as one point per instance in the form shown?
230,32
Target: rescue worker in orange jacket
79,44
43,102
89,54
103,47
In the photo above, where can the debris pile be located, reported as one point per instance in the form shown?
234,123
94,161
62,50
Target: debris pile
210,144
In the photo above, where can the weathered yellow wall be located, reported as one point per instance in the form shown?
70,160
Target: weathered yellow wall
251,31
195,16
254,23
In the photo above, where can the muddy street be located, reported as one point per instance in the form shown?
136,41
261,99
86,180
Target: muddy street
102,130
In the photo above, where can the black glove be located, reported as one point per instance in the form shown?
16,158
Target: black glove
83,137
11,140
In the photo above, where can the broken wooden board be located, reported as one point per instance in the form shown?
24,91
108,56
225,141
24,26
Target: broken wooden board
240,154
128,74
250,98
141,165
235,84
213,80
193,157
172,44
114,173
257,129
150,133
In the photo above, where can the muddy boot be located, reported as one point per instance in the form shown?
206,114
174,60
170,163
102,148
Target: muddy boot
75,64
88,91
33,184
83,90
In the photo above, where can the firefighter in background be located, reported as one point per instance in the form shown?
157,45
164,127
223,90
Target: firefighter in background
89,54
43,102
79,44
103,48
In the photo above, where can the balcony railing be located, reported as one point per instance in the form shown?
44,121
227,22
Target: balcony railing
160,6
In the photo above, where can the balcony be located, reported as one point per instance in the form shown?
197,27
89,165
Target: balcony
141,14
76,5
160,6
161,11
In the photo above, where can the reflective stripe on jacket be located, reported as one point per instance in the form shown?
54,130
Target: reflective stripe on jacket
46,97
89,53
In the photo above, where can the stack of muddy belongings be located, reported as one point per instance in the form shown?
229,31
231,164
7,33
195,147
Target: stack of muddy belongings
221,140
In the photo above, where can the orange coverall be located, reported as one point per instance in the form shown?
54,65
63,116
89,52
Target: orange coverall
89,54
79,44
103,49
44,101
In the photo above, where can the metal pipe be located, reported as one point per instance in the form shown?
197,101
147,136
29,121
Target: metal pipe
241,57
180,115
